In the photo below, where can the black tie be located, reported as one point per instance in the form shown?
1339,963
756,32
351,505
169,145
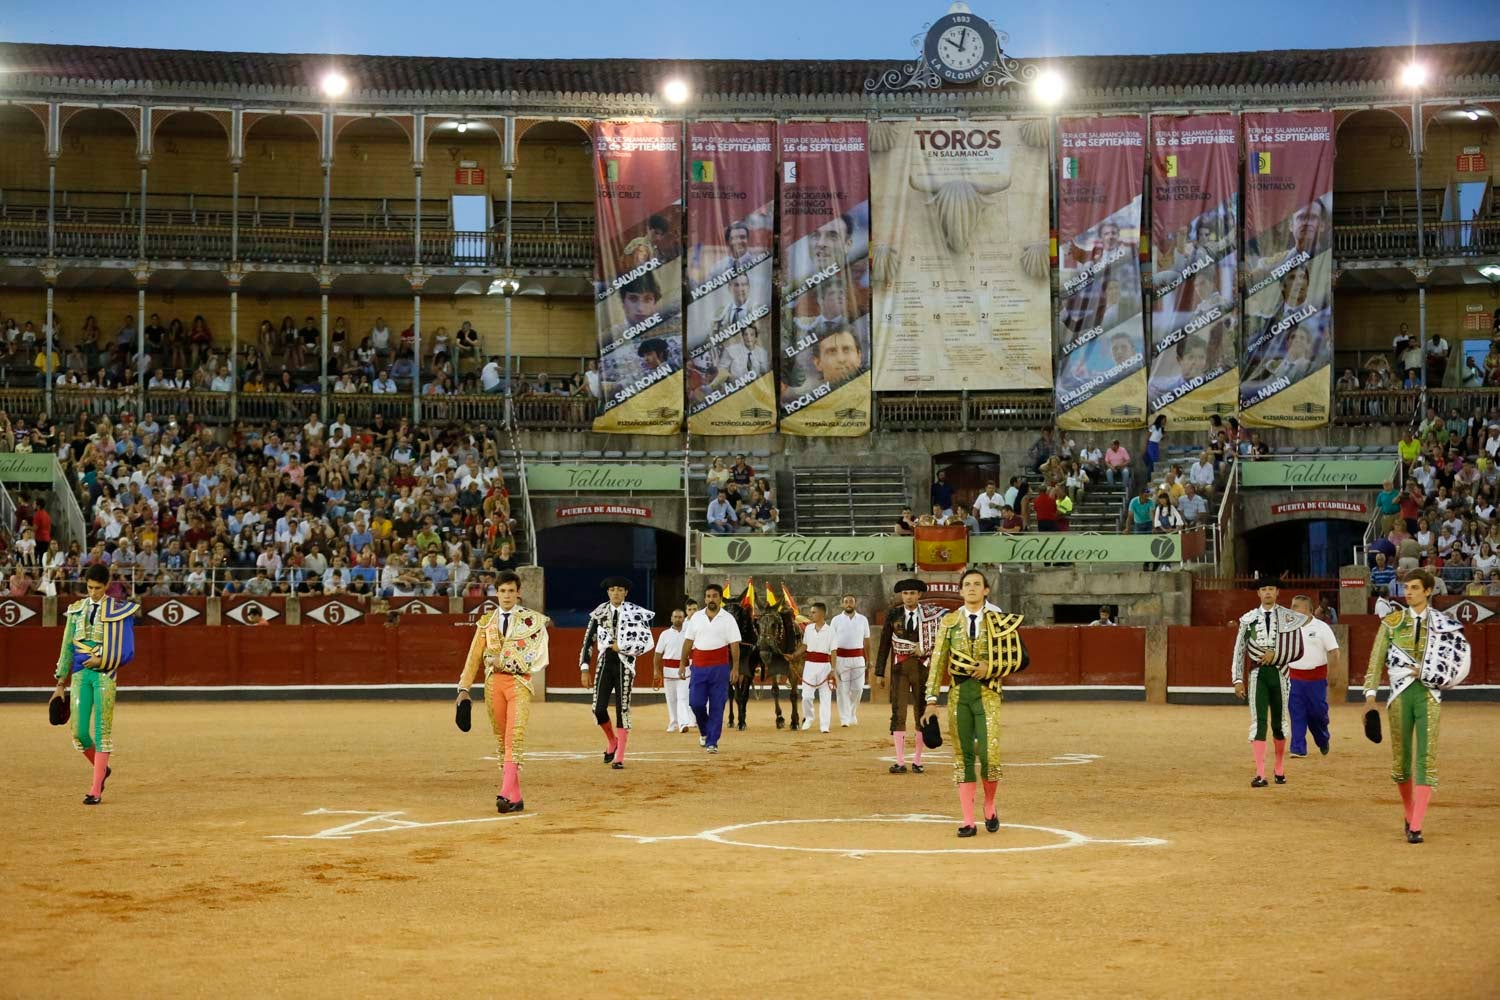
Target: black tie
505,623
1268,623
1417,644
973,625
911,621
94,610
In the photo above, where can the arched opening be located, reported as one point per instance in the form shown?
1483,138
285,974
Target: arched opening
189,176
372,184
1308,549
1373,178
966,472
23,168
98,173
577,557
281,175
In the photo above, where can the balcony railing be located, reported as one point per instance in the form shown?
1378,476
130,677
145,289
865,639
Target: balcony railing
928,412
1442,239
297,245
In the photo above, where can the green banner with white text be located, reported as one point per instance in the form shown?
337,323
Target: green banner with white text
26,467
603,478
798,550
1368,472
1068,547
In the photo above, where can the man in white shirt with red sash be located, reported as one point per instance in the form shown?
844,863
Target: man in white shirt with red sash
1308,704
669,665
711,646
851,632
817,650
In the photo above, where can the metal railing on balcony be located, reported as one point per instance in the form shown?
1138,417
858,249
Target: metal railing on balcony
1376,406
1441,239
562,413
960,411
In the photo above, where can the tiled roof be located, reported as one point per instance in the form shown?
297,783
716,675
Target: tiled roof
32,65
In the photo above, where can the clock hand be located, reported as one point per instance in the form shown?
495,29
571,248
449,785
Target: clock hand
964,38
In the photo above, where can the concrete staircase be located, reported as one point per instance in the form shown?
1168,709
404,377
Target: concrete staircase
1099,508
843,500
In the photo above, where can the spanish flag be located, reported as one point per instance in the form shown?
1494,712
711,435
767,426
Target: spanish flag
941,546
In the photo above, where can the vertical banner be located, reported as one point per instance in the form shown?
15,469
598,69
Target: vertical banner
638,276
1195,251
731,222
961,255
1101,330
825,293
1288,366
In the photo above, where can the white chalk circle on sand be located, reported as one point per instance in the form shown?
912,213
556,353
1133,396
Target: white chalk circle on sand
738,835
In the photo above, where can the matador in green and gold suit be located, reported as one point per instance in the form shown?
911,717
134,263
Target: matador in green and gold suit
978,649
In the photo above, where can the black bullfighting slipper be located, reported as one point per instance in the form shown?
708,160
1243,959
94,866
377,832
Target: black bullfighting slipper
968,831
1412,836
898,768
94,800
1259,782
618,765
609,756
917,769
992,824
1280,779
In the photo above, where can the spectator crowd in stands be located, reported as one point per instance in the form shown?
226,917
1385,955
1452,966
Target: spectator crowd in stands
384,509
1442,518
739,502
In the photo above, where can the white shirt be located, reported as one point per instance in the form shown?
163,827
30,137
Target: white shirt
850,632
989,506
822,640
669,644
1317,640
1096,621
490,376
380,337
383,386
1201,474
1383,607
711,633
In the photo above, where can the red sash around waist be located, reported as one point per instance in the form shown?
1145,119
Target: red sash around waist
671,663
817,657
850,653
1310,674
711,657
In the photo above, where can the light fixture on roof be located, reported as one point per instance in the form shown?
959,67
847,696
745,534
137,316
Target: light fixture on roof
1491,271
1472,114
334,83
675,91
463,127
504,286
1049,87
1413,75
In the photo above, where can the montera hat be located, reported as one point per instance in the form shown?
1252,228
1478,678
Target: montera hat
911,583
615,581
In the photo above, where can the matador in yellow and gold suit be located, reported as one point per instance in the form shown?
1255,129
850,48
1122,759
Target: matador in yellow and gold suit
511,645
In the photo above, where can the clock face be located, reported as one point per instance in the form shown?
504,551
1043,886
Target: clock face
961,48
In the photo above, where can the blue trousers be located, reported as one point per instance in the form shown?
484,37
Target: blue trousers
708,691
1309,710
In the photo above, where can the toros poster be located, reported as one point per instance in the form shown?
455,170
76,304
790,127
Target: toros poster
1100,333
731,388
1286,378
1195,256
823,352
961,257
638,276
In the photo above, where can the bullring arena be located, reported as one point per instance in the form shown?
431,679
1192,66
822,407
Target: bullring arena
310,365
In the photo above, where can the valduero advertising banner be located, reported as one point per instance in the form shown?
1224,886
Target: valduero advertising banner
603,477
1100,345
823,350
1286,376
638,276
1075,547
961,257
800,550
1195,256
1367,472
731,222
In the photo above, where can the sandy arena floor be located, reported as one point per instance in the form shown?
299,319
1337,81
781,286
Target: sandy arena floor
1141,863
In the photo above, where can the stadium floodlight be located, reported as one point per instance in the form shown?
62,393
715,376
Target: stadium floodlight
1491,271
504,286
1049,87
675,91
463,127
1472,114
334,83
1413,75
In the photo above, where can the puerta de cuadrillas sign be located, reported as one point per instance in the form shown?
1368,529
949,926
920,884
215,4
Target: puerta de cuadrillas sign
603,478
790,550
1316,472
1067,547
